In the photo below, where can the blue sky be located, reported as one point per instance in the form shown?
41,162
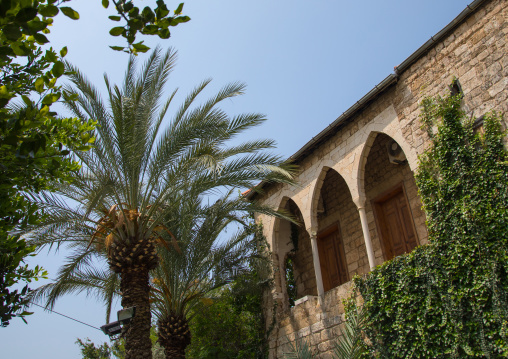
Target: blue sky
304,64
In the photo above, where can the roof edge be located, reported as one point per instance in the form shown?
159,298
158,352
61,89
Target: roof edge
382,86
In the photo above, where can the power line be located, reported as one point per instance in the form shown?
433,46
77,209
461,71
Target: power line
66,316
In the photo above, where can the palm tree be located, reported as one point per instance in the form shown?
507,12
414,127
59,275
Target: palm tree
115,206
206,262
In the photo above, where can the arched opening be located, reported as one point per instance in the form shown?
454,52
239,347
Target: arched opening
396,221
340,241
296,267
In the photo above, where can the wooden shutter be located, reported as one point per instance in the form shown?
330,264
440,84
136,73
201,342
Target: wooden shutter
332,258
395,223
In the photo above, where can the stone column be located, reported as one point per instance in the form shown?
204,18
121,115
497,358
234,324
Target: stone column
366,236
317,265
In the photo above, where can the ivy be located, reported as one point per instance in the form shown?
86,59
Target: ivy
290,280
449,299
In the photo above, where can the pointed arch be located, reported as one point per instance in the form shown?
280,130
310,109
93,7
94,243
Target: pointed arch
293,241
315,191
386,122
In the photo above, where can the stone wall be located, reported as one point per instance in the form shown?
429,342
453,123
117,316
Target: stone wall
338,207
349,168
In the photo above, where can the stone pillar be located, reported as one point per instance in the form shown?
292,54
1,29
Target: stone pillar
366,236
317,265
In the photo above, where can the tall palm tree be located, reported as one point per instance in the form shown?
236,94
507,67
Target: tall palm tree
116,204
207,261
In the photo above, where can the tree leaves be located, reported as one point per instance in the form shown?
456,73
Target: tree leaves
40,38
139,47
70,13
49,10
117,31
147,21
58,69
179,9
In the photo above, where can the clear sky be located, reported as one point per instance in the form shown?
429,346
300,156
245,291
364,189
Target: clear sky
305,63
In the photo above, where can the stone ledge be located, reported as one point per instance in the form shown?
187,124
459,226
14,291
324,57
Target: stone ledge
303,300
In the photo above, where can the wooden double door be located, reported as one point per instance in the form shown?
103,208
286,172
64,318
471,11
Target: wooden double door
332,258
395,223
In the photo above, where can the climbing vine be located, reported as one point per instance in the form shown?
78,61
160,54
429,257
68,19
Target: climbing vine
449,299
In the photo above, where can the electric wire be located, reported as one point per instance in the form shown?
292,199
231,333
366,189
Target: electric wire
66,316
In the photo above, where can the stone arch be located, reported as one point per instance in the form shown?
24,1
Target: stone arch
284,246
386,123
336,215
318,184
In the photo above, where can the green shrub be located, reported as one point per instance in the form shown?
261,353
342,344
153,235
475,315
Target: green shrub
231,325
449,299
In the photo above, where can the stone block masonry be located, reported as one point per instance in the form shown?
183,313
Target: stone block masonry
346,177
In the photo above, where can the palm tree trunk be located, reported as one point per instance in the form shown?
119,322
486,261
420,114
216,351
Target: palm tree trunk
174,335
135,293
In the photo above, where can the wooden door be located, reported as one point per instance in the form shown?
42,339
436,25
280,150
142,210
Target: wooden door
332,258
395,224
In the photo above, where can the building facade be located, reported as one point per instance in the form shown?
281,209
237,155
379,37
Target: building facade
356,198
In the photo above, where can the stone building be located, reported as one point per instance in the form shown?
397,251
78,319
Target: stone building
357,200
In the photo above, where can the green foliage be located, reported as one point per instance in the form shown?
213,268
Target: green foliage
449,298
12,271
299,349
214,283
146,21
351,343
34,142
34,148
90,351
290,280
229,326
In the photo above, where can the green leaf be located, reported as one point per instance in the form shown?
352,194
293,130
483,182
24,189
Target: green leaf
179,20
39,85
63,52
26,100
105,3
48,10
11,32
117,31
179,9
117,48
51,55
161,11
36,25
58,69
6,50
150,30
139,47
164,33
26,14
50,98
20,49
115,17
70,13
135,24
148,14
41,39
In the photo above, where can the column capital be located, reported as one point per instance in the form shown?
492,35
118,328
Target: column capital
359,202
312,232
